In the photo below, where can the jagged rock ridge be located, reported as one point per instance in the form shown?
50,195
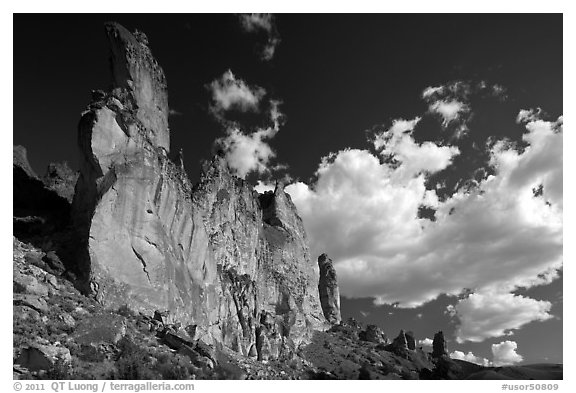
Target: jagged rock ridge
216,255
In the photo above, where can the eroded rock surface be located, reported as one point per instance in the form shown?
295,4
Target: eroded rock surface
215,255
328,289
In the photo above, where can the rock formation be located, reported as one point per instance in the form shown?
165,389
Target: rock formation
439,345
328,289
38,208
216,254
410,341
373,334
61,179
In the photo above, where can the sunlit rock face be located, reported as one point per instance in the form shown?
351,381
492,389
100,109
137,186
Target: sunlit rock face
216,254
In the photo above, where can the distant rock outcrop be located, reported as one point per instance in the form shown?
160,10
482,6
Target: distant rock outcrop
328,289
373,334
439,345
61,179
216,255
38,208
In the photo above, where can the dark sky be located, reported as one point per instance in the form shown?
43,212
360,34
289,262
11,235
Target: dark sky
337,75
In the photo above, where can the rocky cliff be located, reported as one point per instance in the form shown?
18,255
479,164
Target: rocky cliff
216,255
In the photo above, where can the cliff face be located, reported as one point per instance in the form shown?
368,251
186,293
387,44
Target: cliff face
215,255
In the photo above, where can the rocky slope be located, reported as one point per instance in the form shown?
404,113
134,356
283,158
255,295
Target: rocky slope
216,255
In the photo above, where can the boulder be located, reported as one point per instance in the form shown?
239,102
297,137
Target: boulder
328,290
42,357
34,302
176,339
373,334
24,283
61,179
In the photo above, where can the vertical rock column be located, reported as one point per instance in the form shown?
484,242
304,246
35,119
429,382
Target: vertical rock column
439,345
328,289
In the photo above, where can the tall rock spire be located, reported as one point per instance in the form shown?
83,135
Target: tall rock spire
138,75
328,289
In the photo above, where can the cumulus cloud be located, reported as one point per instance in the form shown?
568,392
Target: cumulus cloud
491,314
244,151
262,22
230,93
426,343
262,187
528,115
363,208
504,354
250,152
247,153
470,357
397,142
449,110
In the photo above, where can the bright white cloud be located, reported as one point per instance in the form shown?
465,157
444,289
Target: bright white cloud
415,158
246,153
431,91
470,357
504,354
255,22
426,343
528,115
364,213
262,187
230,93
449,110
492,314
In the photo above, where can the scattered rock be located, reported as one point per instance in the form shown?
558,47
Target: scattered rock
42,357
35,302
103,328
68,320
206,350
28,284
373,334
54,263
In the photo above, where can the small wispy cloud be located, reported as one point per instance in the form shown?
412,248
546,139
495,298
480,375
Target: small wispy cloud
251,23
451,102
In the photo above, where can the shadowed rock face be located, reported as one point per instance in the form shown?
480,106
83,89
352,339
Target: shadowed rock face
328,289
439,345
211,254
39,208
